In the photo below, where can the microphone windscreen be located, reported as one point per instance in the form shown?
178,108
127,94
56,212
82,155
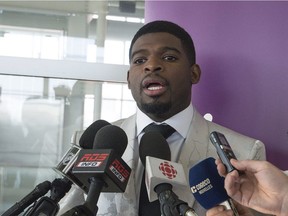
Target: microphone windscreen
153,144
87,138
111,137
206,184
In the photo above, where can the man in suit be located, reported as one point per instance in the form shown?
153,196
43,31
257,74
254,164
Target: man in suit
162,71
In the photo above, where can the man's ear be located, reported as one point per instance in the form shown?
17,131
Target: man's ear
195,73
128,79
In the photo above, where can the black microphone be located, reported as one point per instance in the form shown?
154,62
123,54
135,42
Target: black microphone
49,205
162,175
39,191
101,169
86,140
59,187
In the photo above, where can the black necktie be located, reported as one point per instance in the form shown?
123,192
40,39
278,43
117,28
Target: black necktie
147,208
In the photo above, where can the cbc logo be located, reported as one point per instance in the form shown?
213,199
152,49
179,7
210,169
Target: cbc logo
168,170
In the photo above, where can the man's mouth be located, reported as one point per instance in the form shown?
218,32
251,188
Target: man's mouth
154,88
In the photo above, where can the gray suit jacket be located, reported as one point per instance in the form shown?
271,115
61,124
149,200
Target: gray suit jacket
197,147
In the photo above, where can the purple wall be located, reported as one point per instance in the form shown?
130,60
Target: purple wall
242,48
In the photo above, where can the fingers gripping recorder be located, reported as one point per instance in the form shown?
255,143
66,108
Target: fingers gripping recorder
223,148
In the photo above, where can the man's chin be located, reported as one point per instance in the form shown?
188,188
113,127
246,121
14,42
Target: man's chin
156,109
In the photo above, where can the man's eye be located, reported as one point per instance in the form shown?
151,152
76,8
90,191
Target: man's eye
139,61
170,58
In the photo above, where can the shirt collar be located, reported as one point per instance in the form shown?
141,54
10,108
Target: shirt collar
180,122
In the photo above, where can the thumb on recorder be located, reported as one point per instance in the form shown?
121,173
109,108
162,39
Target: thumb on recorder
262,187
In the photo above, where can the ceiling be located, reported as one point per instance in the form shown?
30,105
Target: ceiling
65,7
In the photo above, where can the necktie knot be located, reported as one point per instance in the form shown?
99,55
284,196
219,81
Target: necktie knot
164,129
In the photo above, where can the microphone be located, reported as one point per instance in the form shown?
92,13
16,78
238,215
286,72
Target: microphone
86,140
59,187
207,186
49,205
162,175
101,169
39,191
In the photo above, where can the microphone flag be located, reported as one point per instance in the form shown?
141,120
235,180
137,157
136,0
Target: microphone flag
159,171
104,164
206,184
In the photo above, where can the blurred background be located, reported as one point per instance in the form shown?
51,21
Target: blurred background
63,65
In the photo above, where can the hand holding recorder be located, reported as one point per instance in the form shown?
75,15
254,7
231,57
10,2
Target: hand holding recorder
262,187
255,184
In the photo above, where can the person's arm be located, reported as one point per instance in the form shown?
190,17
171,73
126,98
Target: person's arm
262,187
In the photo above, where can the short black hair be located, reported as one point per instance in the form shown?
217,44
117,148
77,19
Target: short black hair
171,28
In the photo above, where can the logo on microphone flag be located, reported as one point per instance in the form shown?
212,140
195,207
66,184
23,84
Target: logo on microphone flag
92,160
104,164
168,170
161,171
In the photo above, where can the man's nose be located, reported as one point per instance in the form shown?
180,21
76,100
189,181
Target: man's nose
153,65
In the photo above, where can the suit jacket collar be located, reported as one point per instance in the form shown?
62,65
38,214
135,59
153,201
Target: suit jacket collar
194,149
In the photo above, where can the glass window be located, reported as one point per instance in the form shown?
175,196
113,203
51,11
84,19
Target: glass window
31,43
37,125
114,52
56,79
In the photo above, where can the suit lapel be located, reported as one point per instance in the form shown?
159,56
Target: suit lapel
129,127
194,149
196,144
126,203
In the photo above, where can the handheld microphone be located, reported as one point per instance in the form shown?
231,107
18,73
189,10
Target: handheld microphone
59,187
102,169
86,140
207,186
49,205
39,191
104,160
162,175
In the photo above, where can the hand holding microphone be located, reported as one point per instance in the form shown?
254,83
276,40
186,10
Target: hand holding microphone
162,175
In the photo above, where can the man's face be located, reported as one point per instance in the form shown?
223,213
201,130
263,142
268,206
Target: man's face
160,76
